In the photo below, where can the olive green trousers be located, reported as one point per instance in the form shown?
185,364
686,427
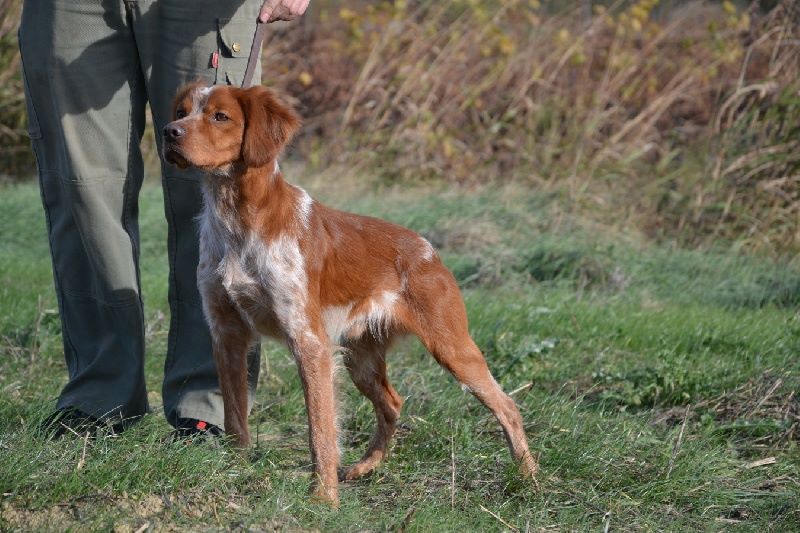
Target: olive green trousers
90,67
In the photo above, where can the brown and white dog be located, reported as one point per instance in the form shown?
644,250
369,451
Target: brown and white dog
275,262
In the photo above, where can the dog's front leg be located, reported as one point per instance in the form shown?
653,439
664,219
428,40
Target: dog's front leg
230,356
314,358
231,338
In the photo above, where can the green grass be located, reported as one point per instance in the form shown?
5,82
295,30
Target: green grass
651,379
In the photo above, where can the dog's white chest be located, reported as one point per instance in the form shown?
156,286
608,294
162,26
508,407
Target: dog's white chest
240,284
267,279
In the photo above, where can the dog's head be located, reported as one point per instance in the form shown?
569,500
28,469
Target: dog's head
216,127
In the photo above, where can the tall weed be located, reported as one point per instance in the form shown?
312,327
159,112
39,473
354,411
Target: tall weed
680,120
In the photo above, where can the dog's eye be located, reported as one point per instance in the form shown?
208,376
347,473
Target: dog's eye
180,113
220,117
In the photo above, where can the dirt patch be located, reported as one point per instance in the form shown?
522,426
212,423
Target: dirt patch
148,513
50,519
140,513
134,514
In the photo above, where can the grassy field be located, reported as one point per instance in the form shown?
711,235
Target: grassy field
658,386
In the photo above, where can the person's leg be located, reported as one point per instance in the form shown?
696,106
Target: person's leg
177,41
85,98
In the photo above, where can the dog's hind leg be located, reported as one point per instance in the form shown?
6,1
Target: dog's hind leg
438,317
366,364
465,361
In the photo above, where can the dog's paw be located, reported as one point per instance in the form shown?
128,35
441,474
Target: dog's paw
528,466
325,495
358,470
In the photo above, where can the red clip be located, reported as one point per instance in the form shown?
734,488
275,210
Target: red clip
201,425
215,60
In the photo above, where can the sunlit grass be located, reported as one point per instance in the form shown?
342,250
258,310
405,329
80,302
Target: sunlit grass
652,382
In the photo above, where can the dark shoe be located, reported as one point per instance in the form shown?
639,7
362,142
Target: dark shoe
191,428
71,421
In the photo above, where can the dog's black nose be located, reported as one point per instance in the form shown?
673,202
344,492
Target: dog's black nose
172,131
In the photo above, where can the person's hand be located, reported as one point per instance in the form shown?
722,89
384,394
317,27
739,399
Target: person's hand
272,10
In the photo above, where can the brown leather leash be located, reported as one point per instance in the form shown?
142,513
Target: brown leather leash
255,53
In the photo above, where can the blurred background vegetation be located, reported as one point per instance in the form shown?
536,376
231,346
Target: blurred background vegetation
680,120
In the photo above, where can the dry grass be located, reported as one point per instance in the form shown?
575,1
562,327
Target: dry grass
679,119
745,410
15,154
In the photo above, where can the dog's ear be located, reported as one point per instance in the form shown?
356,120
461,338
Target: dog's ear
269,125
